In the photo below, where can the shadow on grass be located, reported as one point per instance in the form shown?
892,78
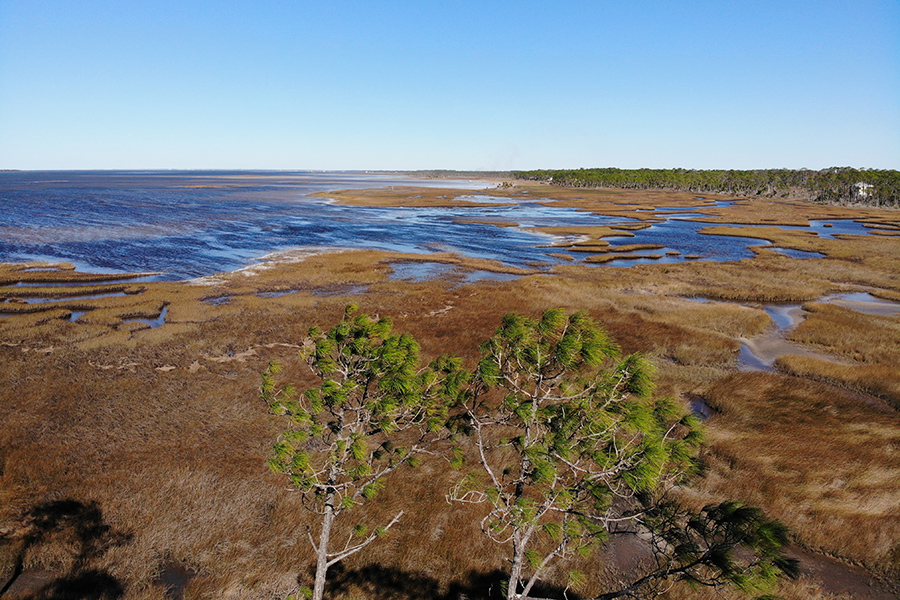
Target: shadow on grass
78,525
387,583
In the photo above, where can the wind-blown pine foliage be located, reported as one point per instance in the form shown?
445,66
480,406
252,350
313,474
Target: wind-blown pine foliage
725,544
575,428
571,445
375,410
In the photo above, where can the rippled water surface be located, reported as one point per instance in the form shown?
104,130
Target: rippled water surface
189,224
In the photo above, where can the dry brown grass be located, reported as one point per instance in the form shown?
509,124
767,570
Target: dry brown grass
870,339
68,291
803,589
872,342
634,247
592,234
410,197
163,429
50,273
821,460
878,380
606,258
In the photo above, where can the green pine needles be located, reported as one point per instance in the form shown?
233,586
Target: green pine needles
374,411
561,439
564,427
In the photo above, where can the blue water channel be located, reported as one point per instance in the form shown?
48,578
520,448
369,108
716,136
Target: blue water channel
189,224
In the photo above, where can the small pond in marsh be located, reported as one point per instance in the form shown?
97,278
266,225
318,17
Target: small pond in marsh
153,323
416,271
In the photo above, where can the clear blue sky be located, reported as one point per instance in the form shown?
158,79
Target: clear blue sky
456,85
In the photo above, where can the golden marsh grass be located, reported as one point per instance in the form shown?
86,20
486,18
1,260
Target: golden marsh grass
162,427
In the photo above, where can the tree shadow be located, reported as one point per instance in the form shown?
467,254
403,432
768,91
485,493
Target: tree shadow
388,583
174,578
76,524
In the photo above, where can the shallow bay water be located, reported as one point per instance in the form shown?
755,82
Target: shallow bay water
187,224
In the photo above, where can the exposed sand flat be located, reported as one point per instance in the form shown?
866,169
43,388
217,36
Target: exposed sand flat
882,308
771,345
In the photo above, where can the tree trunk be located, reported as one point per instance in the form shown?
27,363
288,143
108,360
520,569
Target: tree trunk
322,550
515,573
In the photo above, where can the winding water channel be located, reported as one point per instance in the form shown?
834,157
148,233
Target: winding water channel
760,352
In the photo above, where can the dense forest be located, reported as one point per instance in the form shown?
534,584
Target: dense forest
837,185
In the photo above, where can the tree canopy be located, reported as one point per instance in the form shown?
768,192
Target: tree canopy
564,427
562,440
834,185
376,408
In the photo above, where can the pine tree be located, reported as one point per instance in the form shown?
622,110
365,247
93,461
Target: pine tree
374,411
563,426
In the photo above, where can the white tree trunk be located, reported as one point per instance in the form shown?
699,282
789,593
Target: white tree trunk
322,549
515,573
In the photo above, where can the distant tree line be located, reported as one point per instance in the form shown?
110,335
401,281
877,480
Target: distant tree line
836,185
